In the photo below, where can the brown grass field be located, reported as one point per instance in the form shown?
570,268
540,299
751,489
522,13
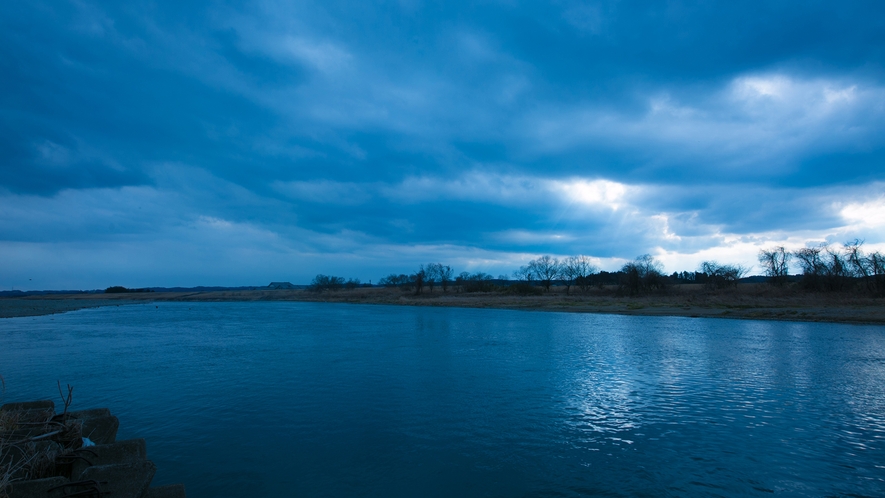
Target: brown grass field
746,301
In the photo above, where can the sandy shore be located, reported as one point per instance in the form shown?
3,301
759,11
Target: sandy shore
750,301
18,307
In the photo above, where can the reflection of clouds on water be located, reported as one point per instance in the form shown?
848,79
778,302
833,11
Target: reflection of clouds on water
701,399
630,380
390,400
864,401
603,406
601,395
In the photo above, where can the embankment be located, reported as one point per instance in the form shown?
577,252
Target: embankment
748,301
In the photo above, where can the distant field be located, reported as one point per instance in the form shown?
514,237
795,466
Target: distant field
747,301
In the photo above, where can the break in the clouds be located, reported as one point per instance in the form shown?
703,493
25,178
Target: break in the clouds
154,143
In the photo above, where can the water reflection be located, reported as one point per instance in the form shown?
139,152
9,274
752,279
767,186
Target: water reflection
338,400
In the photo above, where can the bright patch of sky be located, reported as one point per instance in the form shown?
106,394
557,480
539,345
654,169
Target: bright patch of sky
231,143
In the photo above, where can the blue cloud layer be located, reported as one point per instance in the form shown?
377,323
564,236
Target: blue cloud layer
178,141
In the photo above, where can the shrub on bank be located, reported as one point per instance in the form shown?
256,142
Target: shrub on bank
474,282
523,289
119,289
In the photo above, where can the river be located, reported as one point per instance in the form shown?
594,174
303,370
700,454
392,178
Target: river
317,399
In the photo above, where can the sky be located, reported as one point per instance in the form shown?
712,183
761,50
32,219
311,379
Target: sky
154,143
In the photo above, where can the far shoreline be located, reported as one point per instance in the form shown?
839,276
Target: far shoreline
748,302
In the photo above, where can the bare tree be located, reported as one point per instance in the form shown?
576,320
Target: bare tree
809,260
461,281
776,262
418,279
546,270
855,257
568,272
643,273
869,269
326,282
445,276
823,268
576,270
876,279
584,269
719,276
431,274
525,273
476,282
393,280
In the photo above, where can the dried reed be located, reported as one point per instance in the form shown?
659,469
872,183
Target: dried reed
37,445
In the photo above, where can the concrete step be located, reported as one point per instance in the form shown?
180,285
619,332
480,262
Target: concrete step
114,468
38,488
30,411
101,430
90,413
17,457
44,404
128,451
170,491
126,480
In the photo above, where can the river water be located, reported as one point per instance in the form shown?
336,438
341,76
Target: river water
316,399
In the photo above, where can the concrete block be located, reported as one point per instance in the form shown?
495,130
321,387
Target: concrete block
22,433
37,453
170,491
127,480
101,430
128,451
31,411
118,469
45,404
91,413
38,488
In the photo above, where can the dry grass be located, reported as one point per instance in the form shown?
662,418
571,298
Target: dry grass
746,301
35,444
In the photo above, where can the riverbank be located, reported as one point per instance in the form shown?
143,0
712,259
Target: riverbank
38,306
45,453
748,301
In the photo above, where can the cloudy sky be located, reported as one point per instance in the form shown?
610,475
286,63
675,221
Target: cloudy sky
234,143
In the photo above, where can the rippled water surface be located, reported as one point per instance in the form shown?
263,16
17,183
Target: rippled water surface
313,399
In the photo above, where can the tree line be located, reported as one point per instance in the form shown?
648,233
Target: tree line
322,283
824,268
643,274
828,268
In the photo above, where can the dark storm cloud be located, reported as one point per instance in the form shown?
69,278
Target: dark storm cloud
334,133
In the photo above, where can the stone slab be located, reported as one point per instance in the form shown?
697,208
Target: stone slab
101,430
37,488
170,491
45,404
90,413
127,480
30,411
128,451
22,434
121,467
14,455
